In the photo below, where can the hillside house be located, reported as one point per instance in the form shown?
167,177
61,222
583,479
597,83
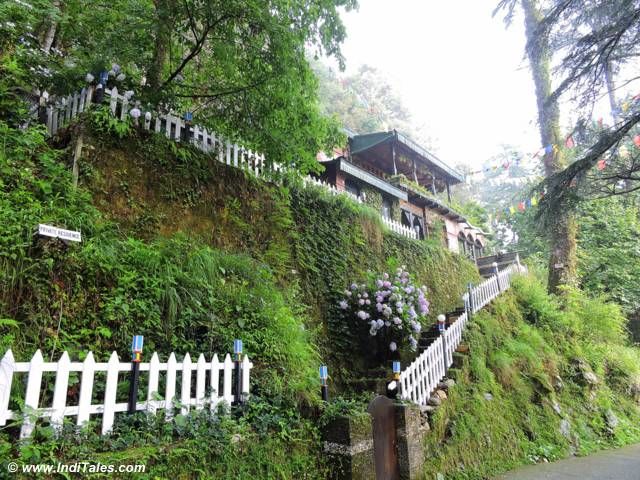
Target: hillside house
391,172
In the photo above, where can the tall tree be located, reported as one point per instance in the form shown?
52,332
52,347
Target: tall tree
562,232
239,65
594,40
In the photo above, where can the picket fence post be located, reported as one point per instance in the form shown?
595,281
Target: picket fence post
7,366
86,390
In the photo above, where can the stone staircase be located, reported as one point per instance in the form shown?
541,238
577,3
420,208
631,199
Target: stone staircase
427,337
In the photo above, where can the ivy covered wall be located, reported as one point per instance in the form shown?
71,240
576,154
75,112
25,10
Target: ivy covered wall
312,241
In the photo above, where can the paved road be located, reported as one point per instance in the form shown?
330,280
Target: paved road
618,464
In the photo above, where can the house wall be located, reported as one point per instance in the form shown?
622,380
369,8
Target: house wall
451,228
419,211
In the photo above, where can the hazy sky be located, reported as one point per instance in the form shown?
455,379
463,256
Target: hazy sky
460,72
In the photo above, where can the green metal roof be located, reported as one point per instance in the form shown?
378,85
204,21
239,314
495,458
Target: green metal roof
362,143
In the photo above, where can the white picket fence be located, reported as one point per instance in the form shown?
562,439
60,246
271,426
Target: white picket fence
397,227
332,189
421,377
210,387
229,153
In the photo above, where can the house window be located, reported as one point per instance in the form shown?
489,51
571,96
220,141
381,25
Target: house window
352,187
470,251
417,226
386,208
462,244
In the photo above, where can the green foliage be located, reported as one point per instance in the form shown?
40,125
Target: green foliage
354,407
278,441
608,250
182,296
241,68
106,123
530,352
337,240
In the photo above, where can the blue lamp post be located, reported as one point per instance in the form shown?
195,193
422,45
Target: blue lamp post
237,357
393,388
324,386
136,358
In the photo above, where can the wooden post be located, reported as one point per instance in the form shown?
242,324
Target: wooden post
470,291
76,160
152,388
60,392
86,390
110,391
448,191
495,272
32,397
185,392
393,157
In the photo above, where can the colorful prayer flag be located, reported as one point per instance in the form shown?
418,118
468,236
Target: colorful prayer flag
601,164
512,210
521,206
569,143
623,151
636,141
534,201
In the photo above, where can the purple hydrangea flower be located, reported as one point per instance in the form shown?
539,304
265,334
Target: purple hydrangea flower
343,304
367,302
361,302
397,320
362,315
393,347
380,323
379,307
379,283
354,286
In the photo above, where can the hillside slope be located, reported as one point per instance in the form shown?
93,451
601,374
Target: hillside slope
545,378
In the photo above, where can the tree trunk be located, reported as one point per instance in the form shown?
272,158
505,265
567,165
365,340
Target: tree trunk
562,237
608,77
50,34
162,44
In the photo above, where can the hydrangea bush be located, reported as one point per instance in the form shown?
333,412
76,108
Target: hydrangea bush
391,307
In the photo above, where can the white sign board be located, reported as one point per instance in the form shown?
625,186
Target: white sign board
56,232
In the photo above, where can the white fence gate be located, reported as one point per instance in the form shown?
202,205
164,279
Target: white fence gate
422,376
212,385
